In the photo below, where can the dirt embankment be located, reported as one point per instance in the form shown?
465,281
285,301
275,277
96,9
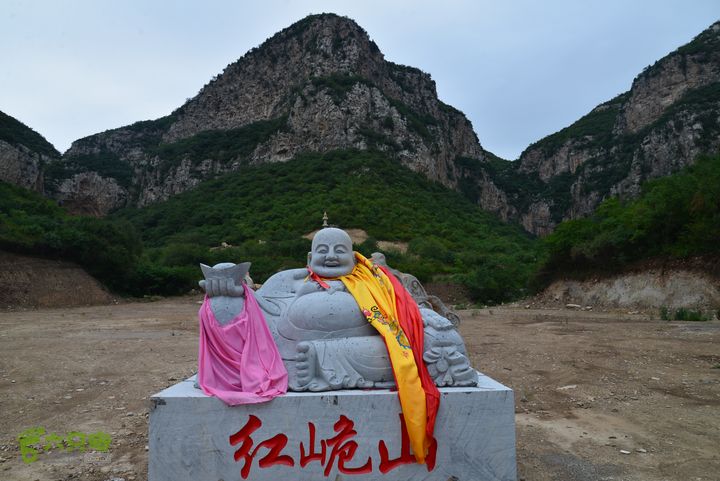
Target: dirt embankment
31,282
650,288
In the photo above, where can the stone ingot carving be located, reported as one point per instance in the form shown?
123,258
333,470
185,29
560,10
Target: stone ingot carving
324,340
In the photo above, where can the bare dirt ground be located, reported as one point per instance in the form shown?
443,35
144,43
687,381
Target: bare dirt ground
599,395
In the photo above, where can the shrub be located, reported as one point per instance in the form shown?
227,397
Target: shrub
684,314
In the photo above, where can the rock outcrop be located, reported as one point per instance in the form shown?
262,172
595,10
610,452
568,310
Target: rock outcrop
319,85
23,154
20,166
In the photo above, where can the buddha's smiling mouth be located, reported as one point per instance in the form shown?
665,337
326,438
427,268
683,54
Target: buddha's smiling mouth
332,263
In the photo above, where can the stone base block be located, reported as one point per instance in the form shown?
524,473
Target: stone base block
338,435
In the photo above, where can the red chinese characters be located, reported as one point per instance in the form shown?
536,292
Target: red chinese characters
387,464
312,455
275,444
339,450
344,449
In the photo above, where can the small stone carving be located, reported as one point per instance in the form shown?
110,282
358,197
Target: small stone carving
325,341
417,291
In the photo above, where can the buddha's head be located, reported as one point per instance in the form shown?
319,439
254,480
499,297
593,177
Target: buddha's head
332,254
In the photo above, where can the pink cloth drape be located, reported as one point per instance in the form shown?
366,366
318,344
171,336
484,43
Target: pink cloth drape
239,362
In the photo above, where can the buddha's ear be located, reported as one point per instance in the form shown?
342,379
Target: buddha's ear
309,258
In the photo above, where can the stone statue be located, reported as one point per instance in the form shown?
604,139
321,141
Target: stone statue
417,291
324,339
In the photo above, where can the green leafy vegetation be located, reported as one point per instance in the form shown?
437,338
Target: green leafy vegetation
675,217
16,133
378,140
683,314
33,225
220,145
337,85
149,133
521,188
105,163
416,121
706,41
262,213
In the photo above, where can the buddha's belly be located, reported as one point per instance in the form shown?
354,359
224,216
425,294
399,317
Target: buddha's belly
335,315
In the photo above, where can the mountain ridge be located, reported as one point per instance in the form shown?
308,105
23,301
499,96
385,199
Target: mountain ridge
319,85
667,119
322,84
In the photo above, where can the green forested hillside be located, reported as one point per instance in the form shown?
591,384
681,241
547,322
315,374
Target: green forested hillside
675,217
31,224
264,211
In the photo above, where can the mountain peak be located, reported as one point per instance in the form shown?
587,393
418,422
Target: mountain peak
317,46
325,35
319,85
325,26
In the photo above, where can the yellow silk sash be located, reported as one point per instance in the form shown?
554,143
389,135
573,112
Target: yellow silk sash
375,296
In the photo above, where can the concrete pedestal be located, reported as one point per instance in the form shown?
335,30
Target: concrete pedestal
339,435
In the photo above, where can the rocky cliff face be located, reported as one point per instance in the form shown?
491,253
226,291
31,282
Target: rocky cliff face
20,166
319,85
669,117
23,154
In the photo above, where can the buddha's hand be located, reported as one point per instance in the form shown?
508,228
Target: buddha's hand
221,287
334,287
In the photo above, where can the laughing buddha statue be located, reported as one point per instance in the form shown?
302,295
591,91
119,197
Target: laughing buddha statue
324,338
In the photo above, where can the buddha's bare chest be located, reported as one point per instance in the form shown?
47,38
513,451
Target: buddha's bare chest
327,310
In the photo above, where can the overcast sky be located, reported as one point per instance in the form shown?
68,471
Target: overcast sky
519,70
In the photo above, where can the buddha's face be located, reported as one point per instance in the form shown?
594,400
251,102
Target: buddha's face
332,254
